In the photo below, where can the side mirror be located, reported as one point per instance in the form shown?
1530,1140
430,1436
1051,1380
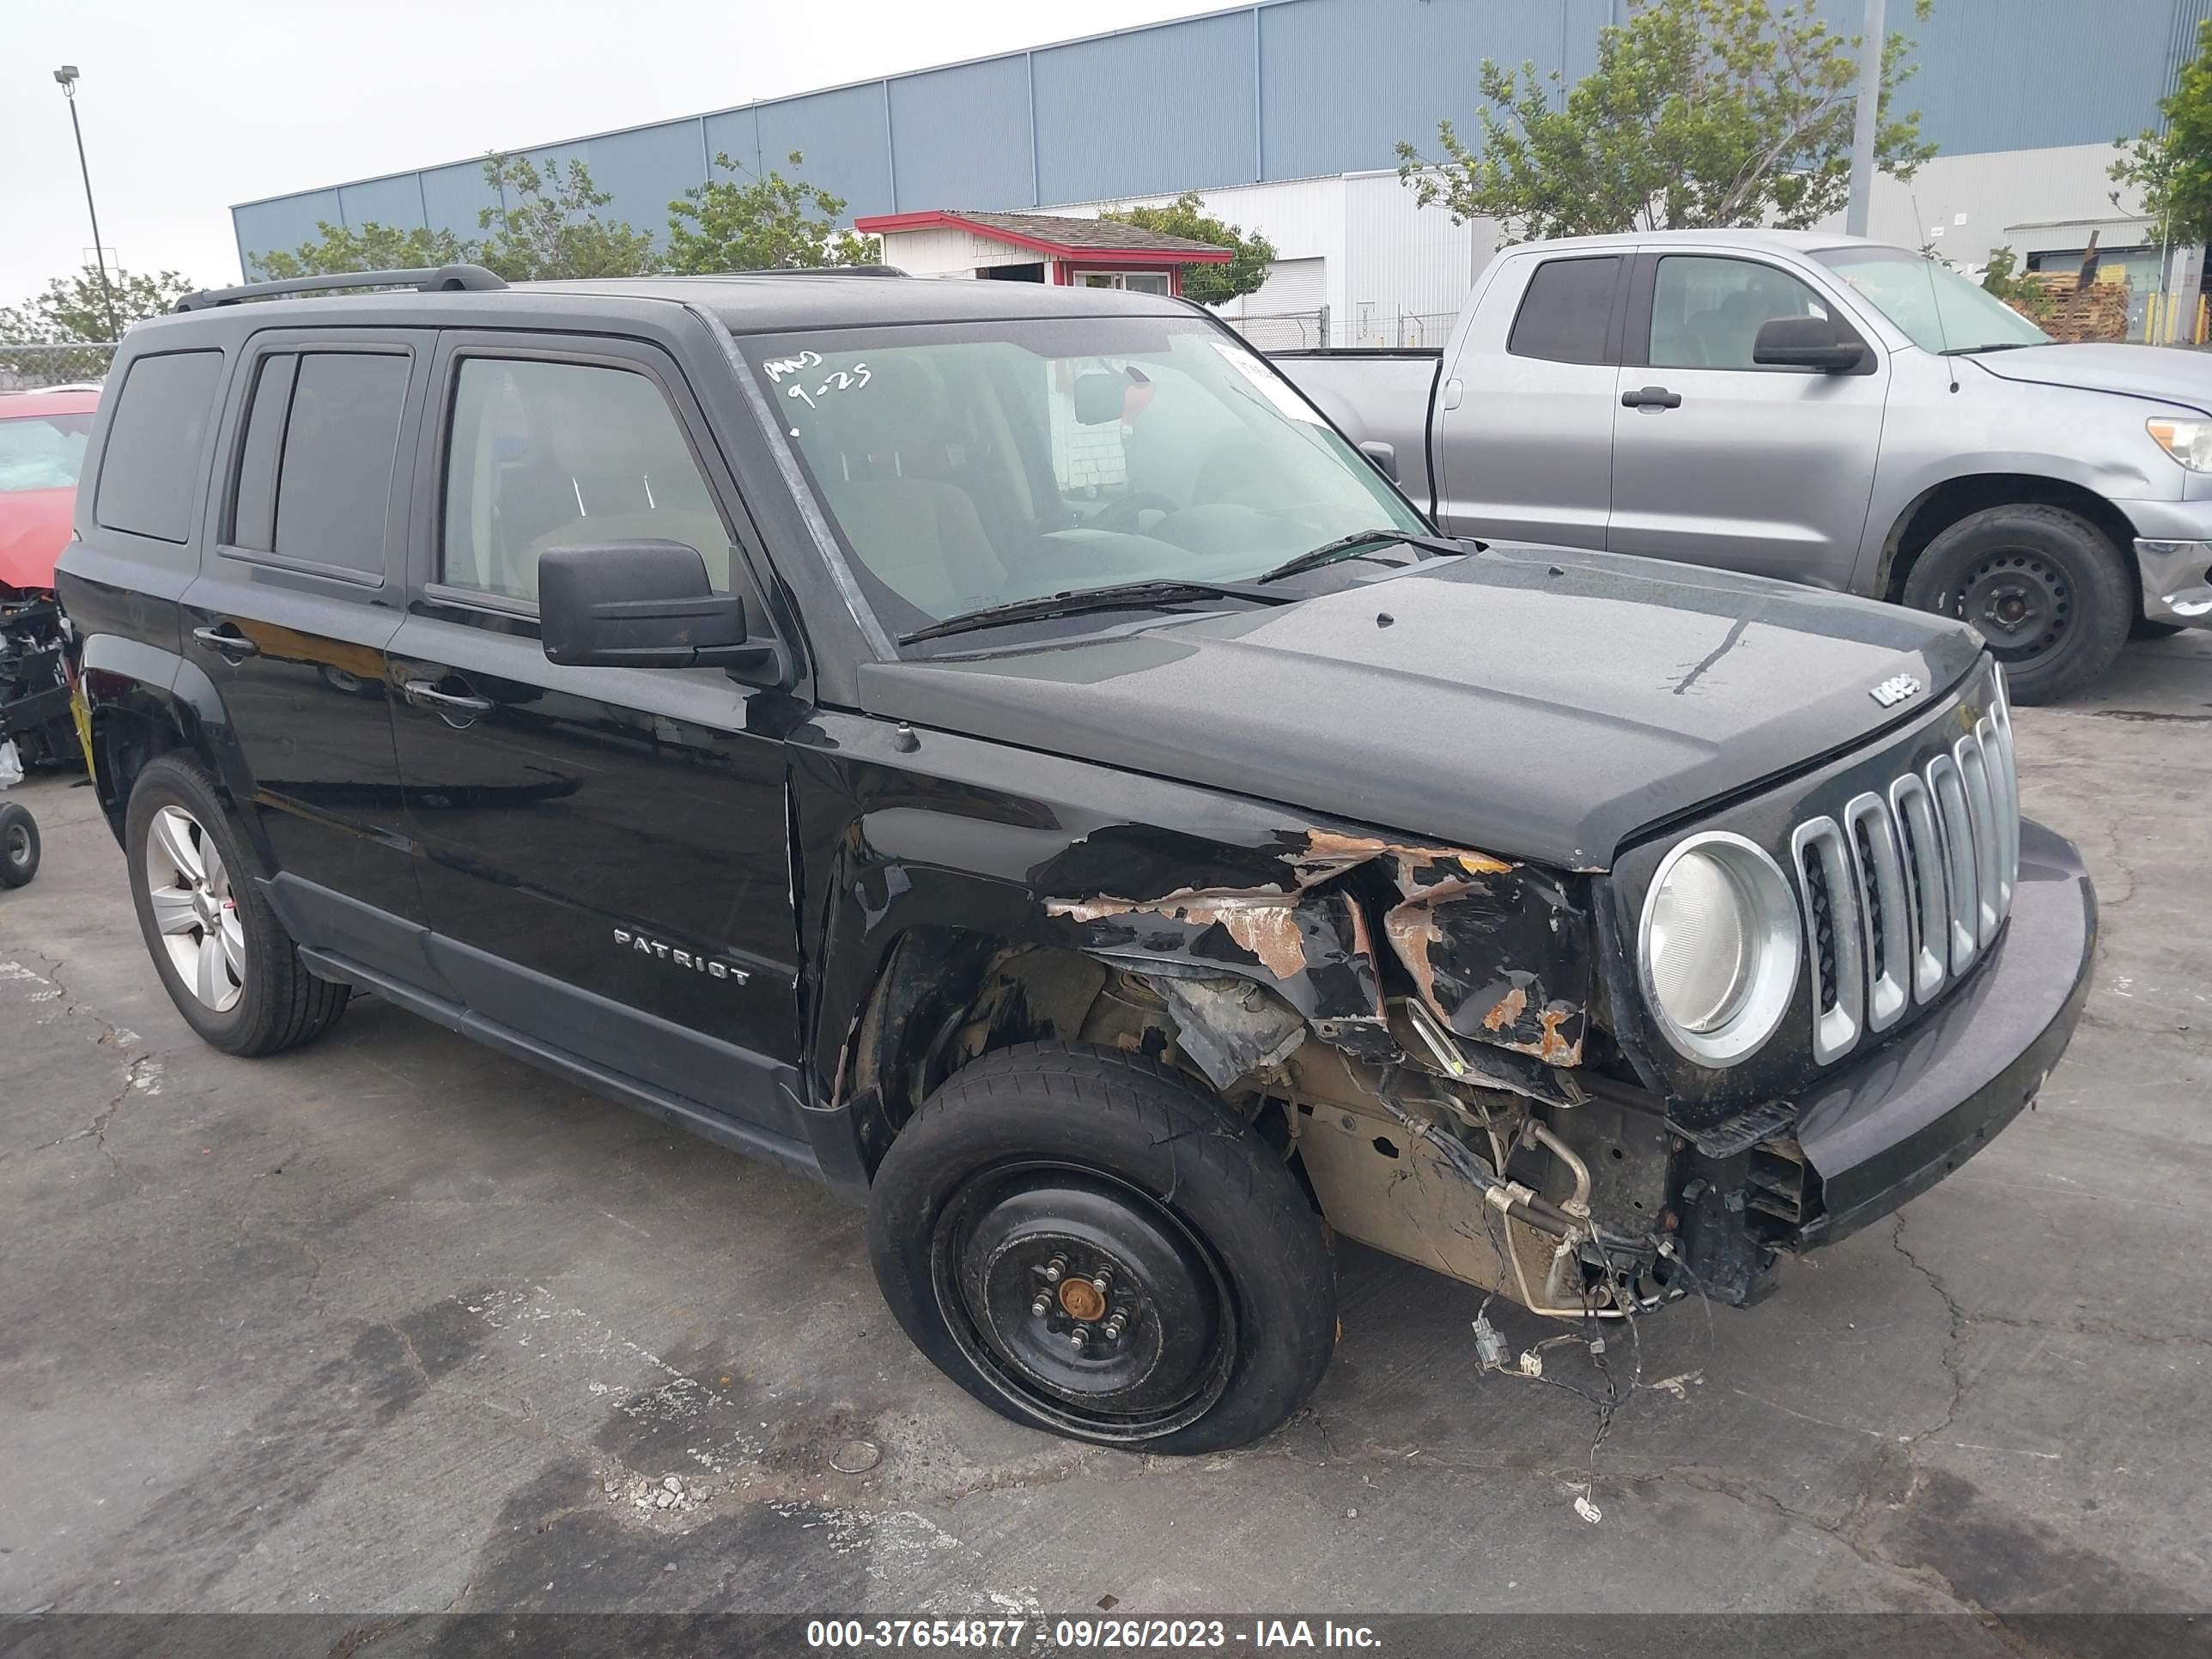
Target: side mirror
1385,457
638,604
1805,342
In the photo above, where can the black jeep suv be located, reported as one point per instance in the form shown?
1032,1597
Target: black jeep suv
1000,750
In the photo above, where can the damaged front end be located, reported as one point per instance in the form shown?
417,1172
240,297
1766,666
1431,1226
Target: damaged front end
1416,1034
1415,1024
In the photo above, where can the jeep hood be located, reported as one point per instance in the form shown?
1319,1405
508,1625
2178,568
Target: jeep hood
1542,704
2131,371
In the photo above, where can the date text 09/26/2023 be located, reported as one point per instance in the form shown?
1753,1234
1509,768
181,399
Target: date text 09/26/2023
1063,1634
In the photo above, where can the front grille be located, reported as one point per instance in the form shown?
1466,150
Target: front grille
1902,895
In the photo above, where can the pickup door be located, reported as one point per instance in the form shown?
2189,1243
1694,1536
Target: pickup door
1718,460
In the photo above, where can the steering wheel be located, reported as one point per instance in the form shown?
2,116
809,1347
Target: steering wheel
1121,516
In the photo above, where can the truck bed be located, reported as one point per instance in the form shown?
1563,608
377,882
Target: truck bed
1382,396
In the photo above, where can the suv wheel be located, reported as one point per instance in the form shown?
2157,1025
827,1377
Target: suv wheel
231,969
2044,587
1086,1243
19,845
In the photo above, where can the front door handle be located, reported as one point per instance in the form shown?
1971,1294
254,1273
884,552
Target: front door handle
424,693
230,645
1652,396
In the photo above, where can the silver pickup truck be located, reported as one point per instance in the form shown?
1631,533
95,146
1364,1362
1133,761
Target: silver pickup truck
1818,408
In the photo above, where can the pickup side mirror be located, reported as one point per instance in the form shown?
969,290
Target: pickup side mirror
1385,457
1805,342
638,604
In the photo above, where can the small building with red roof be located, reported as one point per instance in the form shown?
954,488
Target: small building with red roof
1038,247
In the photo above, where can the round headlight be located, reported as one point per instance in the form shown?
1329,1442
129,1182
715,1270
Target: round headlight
1719,947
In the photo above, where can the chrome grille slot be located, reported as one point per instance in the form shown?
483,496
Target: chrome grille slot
1907,886
1982,815
1962,889
1886,933
1923,847
1834,930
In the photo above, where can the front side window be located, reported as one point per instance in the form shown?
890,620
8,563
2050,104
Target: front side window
42,451
966,466
1937,309
552,454
1706,313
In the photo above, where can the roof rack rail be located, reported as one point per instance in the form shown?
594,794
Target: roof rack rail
444,279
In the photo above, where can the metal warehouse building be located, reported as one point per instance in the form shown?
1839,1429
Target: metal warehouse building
1284,115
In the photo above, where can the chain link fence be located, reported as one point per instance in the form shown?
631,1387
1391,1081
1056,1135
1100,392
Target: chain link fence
26,367
1371,328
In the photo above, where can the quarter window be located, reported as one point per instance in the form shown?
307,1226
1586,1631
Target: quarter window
1566,311
547,455
1706,313
149,473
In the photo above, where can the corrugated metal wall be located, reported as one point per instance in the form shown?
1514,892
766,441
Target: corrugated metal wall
1283,89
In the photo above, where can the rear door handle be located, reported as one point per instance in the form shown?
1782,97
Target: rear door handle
1652,396
231,646
424,693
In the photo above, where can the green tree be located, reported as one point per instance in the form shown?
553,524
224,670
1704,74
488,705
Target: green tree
547,226
1700,113
542,226
2173,168
1185,216
2003,278
74,308
371,247
774,223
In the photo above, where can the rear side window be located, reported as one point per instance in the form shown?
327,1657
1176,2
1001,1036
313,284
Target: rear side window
314,477
1565,314
150,469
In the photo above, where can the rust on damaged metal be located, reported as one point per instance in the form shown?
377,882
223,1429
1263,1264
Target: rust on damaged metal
1475,934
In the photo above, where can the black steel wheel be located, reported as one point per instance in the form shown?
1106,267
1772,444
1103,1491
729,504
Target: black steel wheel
19,845
1089,1244
2043,585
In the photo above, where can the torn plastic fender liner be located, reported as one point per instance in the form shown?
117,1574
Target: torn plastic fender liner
1496,952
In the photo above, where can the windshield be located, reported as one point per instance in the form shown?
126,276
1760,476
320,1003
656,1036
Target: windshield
1938,308
973,464
42,451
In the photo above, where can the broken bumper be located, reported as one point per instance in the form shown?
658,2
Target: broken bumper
1895,1125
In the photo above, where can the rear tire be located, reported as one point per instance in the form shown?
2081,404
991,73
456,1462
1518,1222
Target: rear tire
2044,587
19,845
223,958
1042,1169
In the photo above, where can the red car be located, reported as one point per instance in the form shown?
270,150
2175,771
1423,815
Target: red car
42,441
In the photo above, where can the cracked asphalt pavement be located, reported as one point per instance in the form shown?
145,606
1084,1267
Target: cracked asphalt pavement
395,1324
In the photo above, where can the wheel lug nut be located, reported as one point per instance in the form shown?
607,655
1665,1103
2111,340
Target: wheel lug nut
1112,1328
1042,1306
1055,1269
1100,1283
1080,1336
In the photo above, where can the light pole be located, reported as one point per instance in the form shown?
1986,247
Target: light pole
1862,126
66,74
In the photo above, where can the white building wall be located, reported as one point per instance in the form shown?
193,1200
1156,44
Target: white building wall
948,251
1391,271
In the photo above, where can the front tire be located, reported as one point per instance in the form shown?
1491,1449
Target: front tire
2046,587
1049,1189
223,958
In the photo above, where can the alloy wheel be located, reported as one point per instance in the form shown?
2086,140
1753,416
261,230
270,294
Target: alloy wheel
195,912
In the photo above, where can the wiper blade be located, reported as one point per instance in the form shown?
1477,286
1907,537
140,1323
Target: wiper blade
1344,546
1993,345
1075,601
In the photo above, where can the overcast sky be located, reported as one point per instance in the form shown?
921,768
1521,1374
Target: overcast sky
189,108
